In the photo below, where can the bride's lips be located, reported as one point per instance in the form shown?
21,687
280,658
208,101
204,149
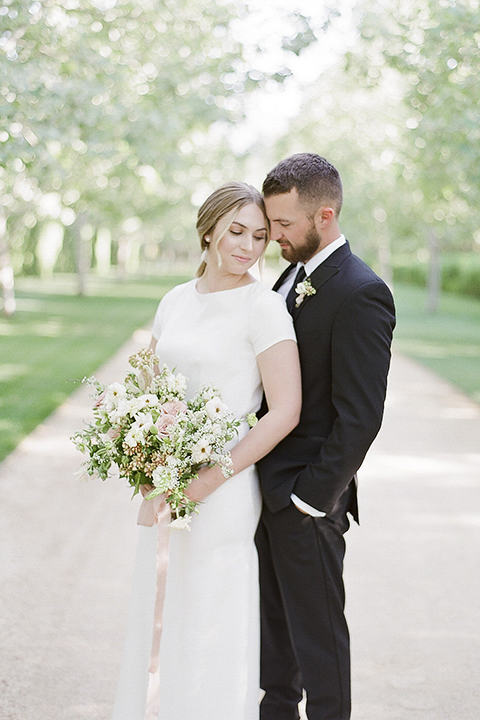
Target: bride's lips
242,258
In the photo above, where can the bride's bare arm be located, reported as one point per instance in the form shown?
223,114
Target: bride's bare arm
280,372
152,346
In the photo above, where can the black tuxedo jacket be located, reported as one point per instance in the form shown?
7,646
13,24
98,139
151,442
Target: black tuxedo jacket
344,333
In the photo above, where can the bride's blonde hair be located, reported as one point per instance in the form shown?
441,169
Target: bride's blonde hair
219,211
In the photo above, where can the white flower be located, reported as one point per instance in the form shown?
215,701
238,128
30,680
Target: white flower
106,442
148,400
118,413
173,463
134,436
181,383
82,475
303,289
201,452
217,430
208,392
181,523
113,394
176,383
134,405
143,422
226,464
165,478
216,408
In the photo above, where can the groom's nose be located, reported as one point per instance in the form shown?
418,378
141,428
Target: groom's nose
275,232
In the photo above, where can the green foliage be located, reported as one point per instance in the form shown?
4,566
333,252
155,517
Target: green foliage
460,273
56,339
431,50
406,270
400,117
303,37
448,342
113,115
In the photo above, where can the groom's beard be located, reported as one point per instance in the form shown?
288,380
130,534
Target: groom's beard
304,252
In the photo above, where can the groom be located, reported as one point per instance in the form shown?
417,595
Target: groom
344,317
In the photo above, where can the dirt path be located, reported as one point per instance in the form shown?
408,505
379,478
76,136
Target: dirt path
412,569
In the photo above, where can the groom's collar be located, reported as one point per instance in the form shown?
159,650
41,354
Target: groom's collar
314,264
320,257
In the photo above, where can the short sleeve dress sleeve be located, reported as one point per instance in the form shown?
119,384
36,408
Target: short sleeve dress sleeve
164,308
270,321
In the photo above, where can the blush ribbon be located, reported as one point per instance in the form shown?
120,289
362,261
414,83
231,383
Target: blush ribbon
156,511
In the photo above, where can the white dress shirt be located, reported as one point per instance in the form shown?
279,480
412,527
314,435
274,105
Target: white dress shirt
284,289
311,265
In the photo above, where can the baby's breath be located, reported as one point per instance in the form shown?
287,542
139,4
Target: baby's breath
152,435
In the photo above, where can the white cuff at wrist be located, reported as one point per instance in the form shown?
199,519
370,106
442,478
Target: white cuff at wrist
305,507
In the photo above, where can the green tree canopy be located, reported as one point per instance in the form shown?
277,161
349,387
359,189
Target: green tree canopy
114,112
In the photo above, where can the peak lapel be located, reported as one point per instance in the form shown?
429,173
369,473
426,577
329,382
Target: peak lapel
282,277
324,272
319,276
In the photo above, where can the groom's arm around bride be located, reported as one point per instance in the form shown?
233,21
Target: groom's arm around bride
344,319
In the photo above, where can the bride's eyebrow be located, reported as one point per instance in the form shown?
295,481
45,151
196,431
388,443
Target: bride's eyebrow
235,222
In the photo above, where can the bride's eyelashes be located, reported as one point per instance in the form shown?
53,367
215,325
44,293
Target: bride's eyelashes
261,238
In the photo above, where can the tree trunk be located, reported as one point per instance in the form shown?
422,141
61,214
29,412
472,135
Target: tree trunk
434,279
82,256
7,283
385,259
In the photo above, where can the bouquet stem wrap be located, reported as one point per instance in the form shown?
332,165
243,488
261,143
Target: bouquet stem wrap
156,511
147,429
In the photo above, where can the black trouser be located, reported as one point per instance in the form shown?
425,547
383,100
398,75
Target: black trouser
305,640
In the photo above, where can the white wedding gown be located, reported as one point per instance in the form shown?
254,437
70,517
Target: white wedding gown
209,654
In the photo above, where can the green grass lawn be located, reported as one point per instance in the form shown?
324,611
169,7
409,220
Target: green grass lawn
447,342
56,337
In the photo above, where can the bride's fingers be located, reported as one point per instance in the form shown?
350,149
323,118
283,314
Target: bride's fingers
145,489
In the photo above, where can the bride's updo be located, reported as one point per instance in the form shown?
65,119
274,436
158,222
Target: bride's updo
219,211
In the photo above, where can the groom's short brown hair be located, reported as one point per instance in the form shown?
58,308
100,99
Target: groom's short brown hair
315,179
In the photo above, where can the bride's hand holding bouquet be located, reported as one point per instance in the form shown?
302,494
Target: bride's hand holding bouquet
157,440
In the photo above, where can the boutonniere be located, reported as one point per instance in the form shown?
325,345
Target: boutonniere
304,289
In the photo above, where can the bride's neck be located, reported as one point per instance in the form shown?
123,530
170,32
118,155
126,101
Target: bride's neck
213,280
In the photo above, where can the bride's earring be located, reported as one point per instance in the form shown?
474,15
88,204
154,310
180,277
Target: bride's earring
204,255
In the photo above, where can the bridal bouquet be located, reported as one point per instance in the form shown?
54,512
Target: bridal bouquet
147,429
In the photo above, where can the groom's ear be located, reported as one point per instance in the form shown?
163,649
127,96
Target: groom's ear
323,217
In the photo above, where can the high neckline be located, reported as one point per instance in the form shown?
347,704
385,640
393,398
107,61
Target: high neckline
220,292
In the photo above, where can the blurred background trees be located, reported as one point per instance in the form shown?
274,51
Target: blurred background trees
114,114
118,117
400,116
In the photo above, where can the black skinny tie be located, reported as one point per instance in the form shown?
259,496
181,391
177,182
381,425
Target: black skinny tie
292,295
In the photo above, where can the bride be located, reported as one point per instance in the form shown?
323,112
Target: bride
225,328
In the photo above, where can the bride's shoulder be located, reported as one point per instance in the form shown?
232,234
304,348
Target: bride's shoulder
179,290
263,297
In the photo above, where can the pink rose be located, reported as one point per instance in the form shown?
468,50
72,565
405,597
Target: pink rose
163,423
173,407
113,433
